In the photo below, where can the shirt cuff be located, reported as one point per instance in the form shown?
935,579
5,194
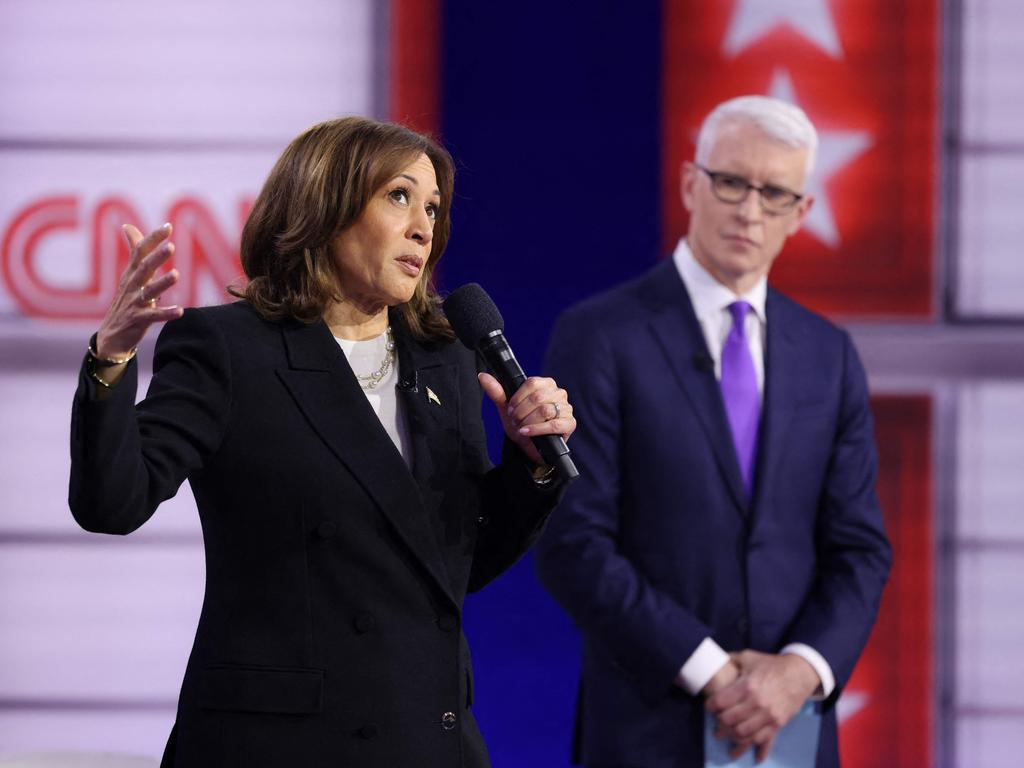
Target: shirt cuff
702,665
818,663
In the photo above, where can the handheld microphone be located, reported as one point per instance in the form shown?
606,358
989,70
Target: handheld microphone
478,324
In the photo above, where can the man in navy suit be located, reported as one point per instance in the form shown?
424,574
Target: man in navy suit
723,550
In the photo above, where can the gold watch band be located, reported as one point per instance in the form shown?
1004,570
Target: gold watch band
543,475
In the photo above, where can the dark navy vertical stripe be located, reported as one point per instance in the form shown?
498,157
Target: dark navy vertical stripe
552,112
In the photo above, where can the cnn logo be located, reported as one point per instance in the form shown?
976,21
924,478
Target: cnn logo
204,255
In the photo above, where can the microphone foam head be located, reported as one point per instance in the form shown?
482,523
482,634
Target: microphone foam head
472,314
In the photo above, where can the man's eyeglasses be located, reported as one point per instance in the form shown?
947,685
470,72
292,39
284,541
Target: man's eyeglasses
730,188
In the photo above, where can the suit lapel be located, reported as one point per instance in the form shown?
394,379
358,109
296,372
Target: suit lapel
325,389
782,359
679,335
429,394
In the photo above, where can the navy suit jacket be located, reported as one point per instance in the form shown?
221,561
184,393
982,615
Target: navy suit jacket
657,545
331,629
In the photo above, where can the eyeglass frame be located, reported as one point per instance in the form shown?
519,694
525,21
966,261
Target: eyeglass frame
715,175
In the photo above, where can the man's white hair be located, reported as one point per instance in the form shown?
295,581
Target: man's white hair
779,120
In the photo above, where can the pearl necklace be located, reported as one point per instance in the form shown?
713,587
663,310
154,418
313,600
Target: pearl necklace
371,380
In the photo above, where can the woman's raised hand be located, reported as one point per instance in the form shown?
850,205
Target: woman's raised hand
135,305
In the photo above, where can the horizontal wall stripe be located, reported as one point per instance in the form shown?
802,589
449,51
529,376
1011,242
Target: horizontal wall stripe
87,705
76,538
23,144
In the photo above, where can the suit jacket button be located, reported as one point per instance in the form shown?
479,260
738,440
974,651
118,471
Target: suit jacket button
369,731
327,529
364,622
447,622
448,721
742,626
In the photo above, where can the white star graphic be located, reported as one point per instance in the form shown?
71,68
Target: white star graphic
753,19
836,149
849,704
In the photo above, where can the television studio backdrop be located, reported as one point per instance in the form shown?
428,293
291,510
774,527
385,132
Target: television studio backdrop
568,123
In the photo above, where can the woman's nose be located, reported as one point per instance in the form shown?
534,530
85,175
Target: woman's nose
421,227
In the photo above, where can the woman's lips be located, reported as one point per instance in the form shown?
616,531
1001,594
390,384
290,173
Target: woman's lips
411,265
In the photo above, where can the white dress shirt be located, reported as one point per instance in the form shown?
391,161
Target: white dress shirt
711,302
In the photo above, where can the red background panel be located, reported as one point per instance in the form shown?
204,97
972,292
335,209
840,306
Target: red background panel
884,83
415,45
894,728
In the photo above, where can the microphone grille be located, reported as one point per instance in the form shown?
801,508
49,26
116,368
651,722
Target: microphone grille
472,314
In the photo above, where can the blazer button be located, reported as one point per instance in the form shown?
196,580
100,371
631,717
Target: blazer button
742,626
447,721
327,529
369,731
447,622
364,622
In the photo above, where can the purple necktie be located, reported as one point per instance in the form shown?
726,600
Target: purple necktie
739,390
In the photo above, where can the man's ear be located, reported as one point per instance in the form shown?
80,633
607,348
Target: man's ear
687,180
803,208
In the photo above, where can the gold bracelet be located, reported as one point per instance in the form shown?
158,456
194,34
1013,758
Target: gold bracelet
108,361
91,369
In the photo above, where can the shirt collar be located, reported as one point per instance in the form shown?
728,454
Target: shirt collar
709,296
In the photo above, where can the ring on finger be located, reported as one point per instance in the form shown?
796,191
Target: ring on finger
558,411
143,301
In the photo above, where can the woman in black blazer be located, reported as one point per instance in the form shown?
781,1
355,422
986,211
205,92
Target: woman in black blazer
330,429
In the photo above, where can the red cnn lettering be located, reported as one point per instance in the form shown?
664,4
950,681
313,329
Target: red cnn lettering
36,296
206,258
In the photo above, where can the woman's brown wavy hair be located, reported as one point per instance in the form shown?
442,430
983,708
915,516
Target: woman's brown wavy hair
319,186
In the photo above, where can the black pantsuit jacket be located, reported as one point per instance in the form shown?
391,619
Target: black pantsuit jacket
331,629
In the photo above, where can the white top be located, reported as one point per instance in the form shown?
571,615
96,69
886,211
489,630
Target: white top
365,357
711,302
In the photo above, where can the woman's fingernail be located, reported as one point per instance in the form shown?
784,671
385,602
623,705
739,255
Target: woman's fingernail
524,430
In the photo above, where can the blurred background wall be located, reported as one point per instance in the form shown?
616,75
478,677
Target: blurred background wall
568,124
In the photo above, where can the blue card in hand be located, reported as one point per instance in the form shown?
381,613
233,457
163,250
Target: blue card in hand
796,745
